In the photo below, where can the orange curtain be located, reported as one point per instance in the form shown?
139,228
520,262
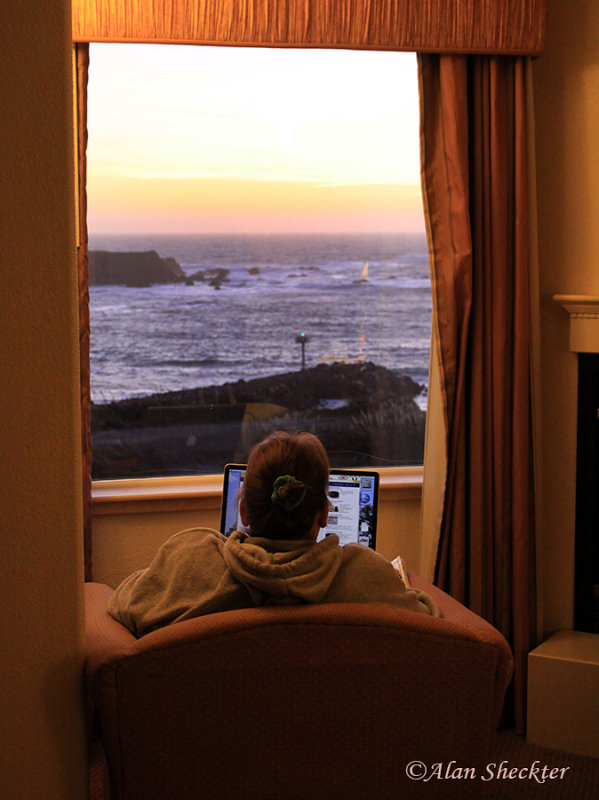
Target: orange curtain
475,185
493,26
82,66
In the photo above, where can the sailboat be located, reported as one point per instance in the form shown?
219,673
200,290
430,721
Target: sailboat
363,275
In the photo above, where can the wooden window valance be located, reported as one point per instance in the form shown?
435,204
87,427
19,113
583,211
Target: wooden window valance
454,26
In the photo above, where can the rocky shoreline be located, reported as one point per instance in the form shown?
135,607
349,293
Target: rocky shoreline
364,413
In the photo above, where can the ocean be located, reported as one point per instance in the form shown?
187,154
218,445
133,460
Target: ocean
177,336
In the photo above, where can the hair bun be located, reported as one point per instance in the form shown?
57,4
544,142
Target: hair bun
288,492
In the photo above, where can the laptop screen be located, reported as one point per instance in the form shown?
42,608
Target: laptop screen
353,496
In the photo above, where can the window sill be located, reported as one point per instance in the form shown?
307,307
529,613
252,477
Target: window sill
203,492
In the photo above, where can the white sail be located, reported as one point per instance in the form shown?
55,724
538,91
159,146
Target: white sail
364,273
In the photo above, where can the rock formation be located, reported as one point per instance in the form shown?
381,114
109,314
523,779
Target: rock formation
132,269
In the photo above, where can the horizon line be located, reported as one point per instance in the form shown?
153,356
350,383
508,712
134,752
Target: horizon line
259,233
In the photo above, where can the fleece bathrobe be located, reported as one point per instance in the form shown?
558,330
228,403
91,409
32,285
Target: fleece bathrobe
199,571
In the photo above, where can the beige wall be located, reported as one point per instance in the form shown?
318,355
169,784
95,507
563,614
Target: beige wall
567,151
41,710
123,543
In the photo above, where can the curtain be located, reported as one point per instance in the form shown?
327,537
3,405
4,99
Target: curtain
475,185
81,77
493,26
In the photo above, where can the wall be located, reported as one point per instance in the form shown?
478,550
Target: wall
41,709
566,81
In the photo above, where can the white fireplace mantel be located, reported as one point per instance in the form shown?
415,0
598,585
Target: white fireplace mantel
584,321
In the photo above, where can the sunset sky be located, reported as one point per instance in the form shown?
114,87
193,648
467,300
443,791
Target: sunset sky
202,139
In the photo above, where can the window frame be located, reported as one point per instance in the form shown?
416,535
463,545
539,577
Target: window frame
204,492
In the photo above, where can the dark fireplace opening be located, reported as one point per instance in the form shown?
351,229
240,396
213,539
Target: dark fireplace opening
586,565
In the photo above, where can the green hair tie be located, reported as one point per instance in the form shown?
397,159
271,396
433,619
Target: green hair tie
287,504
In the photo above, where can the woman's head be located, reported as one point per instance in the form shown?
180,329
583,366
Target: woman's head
285,486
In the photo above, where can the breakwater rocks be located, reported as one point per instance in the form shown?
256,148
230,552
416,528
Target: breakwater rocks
325,387
364,414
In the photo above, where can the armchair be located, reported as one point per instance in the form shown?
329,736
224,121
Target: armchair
295,703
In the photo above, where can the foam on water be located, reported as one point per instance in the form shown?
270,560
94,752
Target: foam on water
175,336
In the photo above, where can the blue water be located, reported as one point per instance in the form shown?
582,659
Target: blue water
160,338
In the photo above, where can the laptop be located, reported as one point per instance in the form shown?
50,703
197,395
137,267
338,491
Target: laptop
353,495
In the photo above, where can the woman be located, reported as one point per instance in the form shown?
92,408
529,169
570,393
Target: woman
284,505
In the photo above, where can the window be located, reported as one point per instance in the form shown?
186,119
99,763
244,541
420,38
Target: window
257,256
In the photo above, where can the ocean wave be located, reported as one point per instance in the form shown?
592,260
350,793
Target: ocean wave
188,362
173,336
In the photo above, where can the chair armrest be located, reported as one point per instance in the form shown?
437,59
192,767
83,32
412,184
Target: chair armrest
455,612
104,636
